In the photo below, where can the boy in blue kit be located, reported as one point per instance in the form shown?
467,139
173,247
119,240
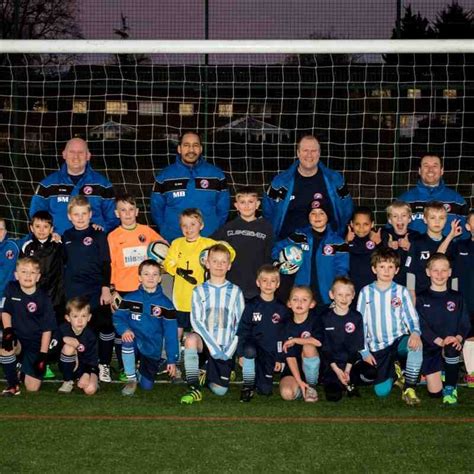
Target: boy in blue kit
79,358
324,253
444,327
260,335
28,321
145,320
9,252
252,239
216,309
342,335
361,240
87,274
391,328
301,372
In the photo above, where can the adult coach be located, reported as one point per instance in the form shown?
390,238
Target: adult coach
189,182
290,194
431,187
76,177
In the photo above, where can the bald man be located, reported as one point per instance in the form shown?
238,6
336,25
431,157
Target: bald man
76,177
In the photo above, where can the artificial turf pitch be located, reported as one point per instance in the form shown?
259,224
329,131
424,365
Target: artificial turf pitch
152,432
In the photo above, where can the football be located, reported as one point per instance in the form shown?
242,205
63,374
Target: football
290,259
158,250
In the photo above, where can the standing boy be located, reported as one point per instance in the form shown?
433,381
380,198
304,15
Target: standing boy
28,320
260,335
217,307
9,252
444,325
391,327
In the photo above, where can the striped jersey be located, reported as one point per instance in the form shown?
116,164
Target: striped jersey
387,314
215,314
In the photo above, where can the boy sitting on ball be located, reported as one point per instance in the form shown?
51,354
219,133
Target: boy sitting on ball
324,254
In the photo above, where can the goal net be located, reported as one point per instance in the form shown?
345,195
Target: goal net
376,106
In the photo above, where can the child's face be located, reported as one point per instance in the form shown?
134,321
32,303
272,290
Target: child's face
435,220
3,230
27,275
385,271
439,272
127,213
361,225
218,264
318,219
150,277
78,319
80,216
342,295
190,227
247,205
41,229
469,226
268,283
399,219
300,302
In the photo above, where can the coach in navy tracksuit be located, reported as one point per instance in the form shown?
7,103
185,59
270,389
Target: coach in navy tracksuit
76,177
286,202
429,188
189,182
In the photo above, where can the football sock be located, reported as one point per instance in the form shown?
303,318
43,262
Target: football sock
412,371
191,365
9,369
468,354
128,358
118,350
248,372
311,369
451,366
106,347
67,365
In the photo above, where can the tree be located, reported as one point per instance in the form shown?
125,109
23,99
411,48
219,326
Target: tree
454,23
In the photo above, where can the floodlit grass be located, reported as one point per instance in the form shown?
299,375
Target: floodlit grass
152,432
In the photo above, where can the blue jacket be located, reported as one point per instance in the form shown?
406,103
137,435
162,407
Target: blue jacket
277,198
332,258
179,187
152,318
54,191
9,251
421,194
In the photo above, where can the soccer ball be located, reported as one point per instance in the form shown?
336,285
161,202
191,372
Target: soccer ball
158,250
291,259
203,257
204,253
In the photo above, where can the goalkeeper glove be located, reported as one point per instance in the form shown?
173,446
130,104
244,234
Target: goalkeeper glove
40,363
186,274
9,339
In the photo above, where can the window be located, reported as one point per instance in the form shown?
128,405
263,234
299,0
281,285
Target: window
381,93
414,93
448,119
186,109
116,107
450,93
79,107
226,110
40,106
150,108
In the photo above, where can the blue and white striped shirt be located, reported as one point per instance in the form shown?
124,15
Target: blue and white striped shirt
387,314
215,314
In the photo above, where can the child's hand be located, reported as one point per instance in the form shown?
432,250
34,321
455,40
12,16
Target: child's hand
128,336
288,344
341,375
454,341
414,342
404,243
55,237
370,359
456,229
105,296
97,227
350,234
303,386
277,367
171,369
393,244
376,237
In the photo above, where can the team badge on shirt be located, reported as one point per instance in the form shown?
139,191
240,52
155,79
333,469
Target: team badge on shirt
204,183
87,241
142,238
276,318
317,196
87,190
305,335
447,207
370,244
31,307
9,254
396,302
450,306
328,250
349,327
156,311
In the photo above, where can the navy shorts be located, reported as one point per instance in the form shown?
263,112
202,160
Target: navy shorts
287,372
386,359
82,369
184,320
217,371
150,367
27,357
432,360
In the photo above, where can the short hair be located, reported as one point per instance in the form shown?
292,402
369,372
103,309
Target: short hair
434,206
363,211
384,254
28,261
301,287
342,280
268,268
219,248
189,132
469,215
435,155
307,136
437,257
78,303
125,197
78,201
192,212
44,216
398,205
4,222
148,263
247,190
